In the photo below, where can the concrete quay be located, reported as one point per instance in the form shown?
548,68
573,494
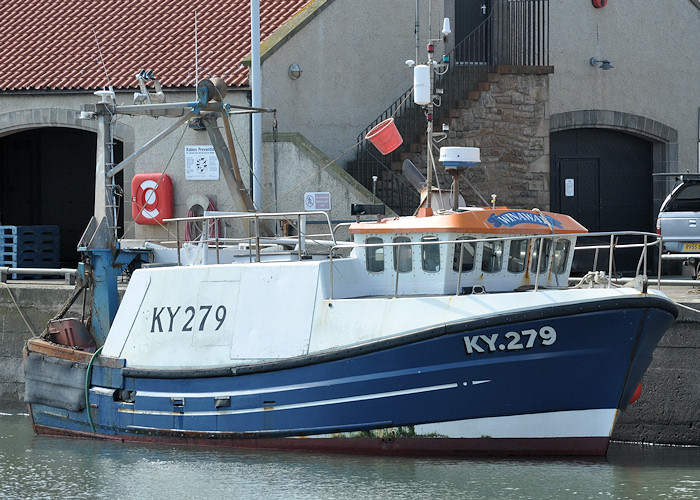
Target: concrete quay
668,411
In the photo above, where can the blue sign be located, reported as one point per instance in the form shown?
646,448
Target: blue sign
513,218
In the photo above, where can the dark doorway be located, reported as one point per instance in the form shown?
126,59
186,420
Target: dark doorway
579,193
469,16
47,177
603,178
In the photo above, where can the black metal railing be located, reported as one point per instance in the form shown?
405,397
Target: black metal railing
521,29
391,188
516,34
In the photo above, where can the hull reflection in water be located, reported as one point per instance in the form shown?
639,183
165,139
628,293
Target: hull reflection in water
46,467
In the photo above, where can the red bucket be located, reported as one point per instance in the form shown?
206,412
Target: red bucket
385,136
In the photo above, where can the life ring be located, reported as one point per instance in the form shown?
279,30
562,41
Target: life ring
151,198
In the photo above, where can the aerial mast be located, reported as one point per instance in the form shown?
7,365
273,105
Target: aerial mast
424,95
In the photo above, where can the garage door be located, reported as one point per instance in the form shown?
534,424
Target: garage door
603,178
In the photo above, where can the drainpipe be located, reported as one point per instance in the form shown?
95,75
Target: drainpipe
256,131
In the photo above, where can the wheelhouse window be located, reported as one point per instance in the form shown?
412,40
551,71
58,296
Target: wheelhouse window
561,256
374,256
517,256
492,256
403,255
464,254
430,255
547,248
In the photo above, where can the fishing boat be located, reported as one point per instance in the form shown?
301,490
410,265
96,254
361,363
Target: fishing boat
453,331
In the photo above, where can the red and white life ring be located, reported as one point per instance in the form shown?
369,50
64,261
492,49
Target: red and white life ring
151,198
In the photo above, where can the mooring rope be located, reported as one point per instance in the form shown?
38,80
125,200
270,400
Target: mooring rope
88,380
687,307
19,310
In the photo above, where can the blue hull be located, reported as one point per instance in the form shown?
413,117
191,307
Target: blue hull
556,359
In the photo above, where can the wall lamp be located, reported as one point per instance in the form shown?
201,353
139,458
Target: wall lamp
294,71
604,63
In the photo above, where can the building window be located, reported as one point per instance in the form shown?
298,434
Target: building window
403,255
374,255
430,255
464,253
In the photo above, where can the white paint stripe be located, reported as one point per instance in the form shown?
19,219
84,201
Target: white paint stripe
220,394
144,428
295,406
562,424
572,423
477,382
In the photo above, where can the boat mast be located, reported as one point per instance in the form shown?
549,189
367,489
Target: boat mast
105,258
424,76
416,32
429,109
105,205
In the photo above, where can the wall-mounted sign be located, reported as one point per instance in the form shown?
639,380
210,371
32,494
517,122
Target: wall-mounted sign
201,163
317,201
569,187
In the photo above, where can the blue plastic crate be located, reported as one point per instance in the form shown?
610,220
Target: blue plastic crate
30,246
8,259
8,235
37,235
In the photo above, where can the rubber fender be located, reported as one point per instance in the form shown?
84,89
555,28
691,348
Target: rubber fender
54,382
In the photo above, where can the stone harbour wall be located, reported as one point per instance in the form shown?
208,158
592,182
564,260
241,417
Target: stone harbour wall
668,411
24,312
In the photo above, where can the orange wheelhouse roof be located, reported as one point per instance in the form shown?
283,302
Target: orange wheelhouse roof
478,221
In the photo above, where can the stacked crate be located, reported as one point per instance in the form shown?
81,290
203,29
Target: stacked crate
29,246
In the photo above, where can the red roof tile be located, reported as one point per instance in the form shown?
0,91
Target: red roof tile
50,44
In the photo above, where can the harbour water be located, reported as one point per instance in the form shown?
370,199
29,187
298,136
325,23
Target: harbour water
48,467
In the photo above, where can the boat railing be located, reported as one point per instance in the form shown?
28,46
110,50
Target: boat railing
613,244
648,241
256,238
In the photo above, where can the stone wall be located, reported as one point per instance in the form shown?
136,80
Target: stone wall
24,312
510,124
669,409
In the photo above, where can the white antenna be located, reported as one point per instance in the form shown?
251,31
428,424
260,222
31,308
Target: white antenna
196,52
99,51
